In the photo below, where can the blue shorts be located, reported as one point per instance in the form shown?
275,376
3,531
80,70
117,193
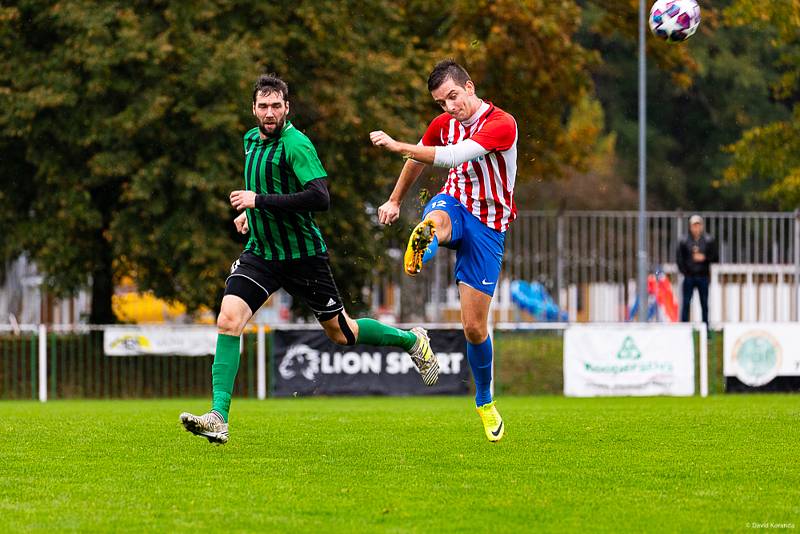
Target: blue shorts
479,249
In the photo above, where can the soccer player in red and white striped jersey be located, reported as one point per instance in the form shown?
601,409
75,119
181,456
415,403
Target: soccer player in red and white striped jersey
477,142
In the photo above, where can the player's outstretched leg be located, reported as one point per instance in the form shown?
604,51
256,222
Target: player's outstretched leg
424,358
421,247
415,342
209,425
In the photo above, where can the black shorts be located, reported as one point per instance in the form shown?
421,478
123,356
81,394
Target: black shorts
254,279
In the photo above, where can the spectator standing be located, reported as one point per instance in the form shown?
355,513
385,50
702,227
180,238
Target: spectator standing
696,252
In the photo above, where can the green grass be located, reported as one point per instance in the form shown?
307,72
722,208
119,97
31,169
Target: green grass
404,465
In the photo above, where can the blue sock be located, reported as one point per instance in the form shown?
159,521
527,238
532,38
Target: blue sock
480,361
430,252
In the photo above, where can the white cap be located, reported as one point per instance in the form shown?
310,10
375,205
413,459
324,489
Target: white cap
695,219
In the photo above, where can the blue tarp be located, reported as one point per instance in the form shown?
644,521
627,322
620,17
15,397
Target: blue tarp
534,299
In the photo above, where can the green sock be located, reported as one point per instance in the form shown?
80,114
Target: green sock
372,332
223,373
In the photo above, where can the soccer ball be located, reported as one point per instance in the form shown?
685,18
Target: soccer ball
674,20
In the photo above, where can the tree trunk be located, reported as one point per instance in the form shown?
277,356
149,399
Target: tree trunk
102,285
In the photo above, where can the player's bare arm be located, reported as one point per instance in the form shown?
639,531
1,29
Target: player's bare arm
389,211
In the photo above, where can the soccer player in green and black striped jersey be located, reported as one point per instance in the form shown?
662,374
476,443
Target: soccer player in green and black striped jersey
284,184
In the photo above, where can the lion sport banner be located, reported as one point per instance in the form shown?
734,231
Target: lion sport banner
162,340
306,362
761,356
628,359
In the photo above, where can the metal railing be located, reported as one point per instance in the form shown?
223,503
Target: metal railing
75,366
571,253
582,256
575,247
69,362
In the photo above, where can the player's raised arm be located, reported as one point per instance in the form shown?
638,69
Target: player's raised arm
420,153
439,156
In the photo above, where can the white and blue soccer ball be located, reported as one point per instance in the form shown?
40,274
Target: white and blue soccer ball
674,21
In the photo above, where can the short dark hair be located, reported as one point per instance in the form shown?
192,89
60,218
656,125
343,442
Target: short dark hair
268,84
445,69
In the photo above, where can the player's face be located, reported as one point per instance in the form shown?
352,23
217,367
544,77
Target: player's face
456,100
696,229
270,111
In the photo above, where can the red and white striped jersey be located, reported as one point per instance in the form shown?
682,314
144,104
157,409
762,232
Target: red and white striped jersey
485,185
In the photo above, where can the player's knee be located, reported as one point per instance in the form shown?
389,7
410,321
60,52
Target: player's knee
340,332
228,323
475,332
441,221
337,336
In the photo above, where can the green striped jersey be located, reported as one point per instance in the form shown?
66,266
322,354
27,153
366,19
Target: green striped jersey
281,165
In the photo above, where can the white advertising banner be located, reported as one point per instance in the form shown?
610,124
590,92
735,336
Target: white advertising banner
628,360
755,353
161,340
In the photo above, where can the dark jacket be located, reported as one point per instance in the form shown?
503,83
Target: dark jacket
705,245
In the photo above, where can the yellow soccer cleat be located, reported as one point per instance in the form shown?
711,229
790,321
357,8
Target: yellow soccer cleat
421,237
492,422
424,358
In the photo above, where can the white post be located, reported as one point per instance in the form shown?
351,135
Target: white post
42,363
261,363
796,228
703,361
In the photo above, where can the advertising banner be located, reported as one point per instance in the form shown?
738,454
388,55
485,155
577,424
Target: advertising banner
306,362
628,360
758,353
159,340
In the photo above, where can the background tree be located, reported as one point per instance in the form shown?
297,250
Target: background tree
127,115
121,123
701,96
767,157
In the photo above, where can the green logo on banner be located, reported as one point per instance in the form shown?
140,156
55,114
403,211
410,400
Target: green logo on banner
757,356
629,350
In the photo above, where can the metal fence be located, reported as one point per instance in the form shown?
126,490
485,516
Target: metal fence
76,367
581,247
587,260
529,360
584,258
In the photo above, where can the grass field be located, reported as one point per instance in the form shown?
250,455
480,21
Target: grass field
404,465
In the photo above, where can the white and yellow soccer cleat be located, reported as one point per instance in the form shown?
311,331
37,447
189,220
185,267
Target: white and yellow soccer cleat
492,422
424,358
209,425
421,236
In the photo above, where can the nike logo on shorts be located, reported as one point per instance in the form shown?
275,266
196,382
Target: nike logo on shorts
484,282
